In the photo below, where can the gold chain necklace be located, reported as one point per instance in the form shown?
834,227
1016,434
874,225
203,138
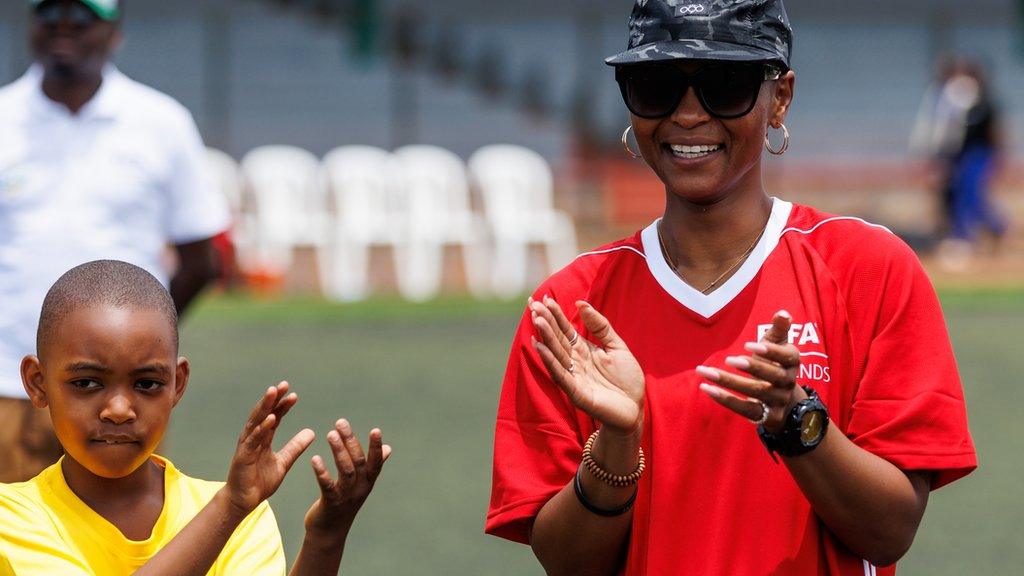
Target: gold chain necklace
707,289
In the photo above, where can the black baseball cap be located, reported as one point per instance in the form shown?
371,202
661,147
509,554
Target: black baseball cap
731,30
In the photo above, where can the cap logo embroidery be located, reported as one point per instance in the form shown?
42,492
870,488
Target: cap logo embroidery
691,9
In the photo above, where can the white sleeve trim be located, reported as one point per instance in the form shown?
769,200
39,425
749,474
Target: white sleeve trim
609,250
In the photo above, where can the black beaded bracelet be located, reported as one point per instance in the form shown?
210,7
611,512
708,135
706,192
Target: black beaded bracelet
577,486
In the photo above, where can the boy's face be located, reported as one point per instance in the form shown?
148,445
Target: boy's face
110,377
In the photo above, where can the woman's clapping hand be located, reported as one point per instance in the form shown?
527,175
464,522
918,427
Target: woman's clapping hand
769,388
604,379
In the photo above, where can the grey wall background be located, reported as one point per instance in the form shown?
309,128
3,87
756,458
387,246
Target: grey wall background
254,73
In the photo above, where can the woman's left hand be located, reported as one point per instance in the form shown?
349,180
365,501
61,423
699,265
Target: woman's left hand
772,368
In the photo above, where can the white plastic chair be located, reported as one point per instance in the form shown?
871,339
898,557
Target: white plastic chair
226,176
439,215
290,205
517,188
370,211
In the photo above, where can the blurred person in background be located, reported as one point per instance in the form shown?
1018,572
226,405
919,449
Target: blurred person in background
745,387
958,130
975,163
938,132
93,165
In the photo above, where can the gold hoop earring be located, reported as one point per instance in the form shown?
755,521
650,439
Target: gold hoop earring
785,142
625,143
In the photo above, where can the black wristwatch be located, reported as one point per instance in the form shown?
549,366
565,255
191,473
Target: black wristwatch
803,429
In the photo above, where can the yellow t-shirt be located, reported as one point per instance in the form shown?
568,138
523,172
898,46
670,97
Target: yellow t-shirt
45,529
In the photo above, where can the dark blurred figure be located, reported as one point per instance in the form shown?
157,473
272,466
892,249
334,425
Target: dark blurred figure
957,129
975,163
938,132
93,165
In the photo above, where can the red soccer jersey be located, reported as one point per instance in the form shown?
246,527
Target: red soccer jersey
874,345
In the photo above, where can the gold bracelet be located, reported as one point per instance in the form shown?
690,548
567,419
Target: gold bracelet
607,477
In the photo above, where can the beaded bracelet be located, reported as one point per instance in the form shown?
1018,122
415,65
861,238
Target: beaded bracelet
607,477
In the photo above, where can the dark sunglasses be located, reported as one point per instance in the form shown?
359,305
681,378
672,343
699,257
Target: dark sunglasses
53,12
725,90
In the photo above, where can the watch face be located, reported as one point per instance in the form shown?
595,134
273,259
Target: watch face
811,427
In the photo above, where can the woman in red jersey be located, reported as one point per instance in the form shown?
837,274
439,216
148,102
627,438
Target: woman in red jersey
745,387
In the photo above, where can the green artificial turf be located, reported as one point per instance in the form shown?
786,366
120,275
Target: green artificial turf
429,376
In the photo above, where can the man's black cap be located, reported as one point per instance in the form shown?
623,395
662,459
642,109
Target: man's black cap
732,30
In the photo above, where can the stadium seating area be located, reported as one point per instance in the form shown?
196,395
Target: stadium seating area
263,71
415,202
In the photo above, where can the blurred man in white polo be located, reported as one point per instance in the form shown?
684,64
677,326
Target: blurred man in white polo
92,166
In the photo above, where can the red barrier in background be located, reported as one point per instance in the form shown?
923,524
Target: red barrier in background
633,195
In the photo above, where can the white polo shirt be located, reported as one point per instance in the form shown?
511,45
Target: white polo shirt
119,180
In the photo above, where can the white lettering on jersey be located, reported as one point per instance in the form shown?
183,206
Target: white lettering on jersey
799,334
815,372
809,335
814,368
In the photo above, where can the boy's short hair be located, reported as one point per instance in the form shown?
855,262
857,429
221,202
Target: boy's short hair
103,282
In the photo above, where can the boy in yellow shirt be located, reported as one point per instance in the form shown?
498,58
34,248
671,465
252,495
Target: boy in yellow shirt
109,372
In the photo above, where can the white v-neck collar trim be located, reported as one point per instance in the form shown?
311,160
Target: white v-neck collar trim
707,305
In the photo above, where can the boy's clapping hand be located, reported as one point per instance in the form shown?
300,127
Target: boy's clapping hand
332,515
256,473
256,470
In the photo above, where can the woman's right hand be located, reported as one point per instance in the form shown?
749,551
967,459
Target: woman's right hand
604,380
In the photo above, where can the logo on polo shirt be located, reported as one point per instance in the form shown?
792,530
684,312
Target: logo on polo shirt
12,183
